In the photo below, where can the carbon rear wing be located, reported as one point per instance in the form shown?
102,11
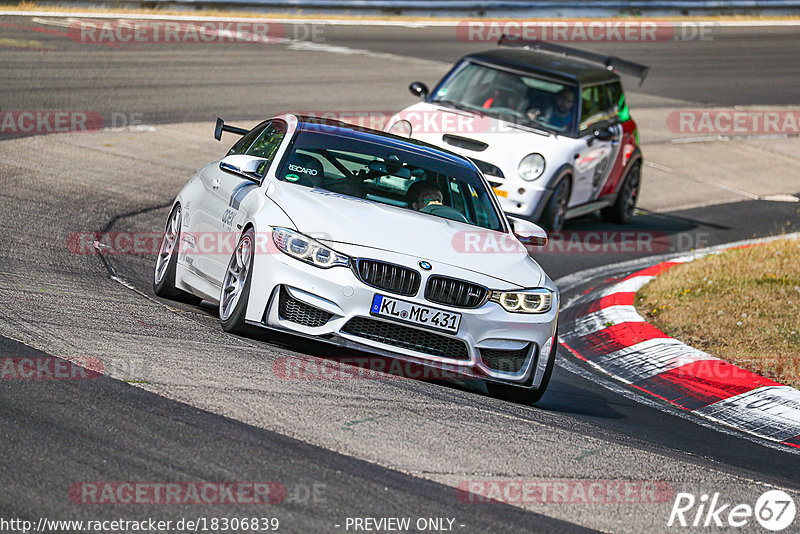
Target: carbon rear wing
610,62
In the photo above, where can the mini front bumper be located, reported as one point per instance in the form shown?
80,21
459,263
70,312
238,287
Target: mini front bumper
521,198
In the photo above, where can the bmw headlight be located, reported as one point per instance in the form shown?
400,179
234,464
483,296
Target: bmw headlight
531,167
538,300
306,249
401,128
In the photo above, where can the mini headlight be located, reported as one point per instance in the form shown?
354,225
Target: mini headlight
401,128
531,167
538,300
306,249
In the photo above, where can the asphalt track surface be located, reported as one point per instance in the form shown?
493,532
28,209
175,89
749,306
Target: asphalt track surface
201,407
170,82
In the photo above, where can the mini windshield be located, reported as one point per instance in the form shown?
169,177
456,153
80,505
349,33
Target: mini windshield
389,174
512,97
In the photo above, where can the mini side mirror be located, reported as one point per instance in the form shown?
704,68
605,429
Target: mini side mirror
603,134
419,89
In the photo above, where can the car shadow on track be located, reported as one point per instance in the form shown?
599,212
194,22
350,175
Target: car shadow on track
562,395
565,397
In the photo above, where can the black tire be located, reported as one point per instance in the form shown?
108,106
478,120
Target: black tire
623,208
521,395
164,285
233,320
555,211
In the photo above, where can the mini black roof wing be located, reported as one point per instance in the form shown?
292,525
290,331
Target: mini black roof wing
220,127
610,62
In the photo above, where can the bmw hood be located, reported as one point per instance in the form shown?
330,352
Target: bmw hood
338,219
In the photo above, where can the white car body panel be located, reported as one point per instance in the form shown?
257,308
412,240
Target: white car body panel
222,203
508,144
354,224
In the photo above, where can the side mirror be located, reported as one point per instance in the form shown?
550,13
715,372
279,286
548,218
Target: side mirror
602,134
419,89
528,233
245,166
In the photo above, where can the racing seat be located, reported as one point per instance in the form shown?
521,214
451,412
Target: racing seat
305,170
507,91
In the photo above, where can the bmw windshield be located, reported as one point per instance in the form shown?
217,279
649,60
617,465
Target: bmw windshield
322,157
508,96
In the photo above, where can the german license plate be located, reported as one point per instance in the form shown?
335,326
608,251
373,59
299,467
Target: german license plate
407,312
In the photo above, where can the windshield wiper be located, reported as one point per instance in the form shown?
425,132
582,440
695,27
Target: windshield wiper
521,121
528,125
459,105
534,126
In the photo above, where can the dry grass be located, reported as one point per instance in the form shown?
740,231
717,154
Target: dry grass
742,305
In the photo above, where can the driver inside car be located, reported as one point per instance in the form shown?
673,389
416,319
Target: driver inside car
426,197
422,194
560,114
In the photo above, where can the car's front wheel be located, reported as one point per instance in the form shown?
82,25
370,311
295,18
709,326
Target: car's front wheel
167,262
522,395
555,212
623,208
236,285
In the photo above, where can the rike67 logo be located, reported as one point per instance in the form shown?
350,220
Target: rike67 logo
774,510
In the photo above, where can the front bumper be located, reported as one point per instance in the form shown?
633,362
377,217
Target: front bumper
333,305
521,198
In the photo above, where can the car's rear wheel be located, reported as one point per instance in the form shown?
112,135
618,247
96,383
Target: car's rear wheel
555,212
236,285
523,395
167,262
625,205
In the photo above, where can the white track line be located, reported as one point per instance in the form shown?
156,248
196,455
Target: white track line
605,381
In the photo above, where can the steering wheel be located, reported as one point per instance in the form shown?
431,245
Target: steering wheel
444,211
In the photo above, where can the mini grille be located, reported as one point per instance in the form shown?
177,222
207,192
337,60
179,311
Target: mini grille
388,276
506,361
407,338
454,292
291,309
